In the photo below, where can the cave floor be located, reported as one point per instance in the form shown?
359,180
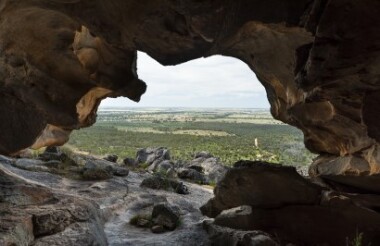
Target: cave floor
116,200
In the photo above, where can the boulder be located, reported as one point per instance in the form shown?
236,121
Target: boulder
111,158
130,162
164,166
334,223
192,175
282,203
96,174
156,182
166,216
149,155
261,184
181,189
120,171
159,182
98,169
210,167
160,166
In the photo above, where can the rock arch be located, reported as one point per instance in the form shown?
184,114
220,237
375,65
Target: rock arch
318,60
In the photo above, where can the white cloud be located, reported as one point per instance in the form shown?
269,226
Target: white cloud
216,81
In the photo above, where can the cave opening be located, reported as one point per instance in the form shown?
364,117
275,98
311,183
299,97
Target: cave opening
213,82
317,59
213,104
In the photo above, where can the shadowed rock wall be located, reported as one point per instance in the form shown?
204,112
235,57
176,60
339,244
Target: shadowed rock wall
319,61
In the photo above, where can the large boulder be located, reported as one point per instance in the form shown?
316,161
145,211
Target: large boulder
191,175
159,182
166,216
261,184
130,162
98,169
276,199
210,166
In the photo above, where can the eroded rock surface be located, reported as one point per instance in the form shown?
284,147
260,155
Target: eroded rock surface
33,213
318,60
45,207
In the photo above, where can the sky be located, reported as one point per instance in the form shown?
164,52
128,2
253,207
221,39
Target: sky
213,82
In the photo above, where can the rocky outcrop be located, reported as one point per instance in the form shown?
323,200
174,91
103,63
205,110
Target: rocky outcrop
256,196
45,207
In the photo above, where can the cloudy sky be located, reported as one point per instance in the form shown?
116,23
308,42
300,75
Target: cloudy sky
217,81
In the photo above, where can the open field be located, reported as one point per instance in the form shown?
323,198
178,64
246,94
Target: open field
226,133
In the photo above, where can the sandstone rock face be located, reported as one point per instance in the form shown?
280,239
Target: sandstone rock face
318,60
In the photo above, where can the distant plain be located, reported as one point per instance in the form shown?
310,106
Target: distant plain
230,134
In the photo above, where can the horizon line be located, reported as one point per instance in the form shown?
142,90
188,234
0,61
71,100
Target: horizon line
118,107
